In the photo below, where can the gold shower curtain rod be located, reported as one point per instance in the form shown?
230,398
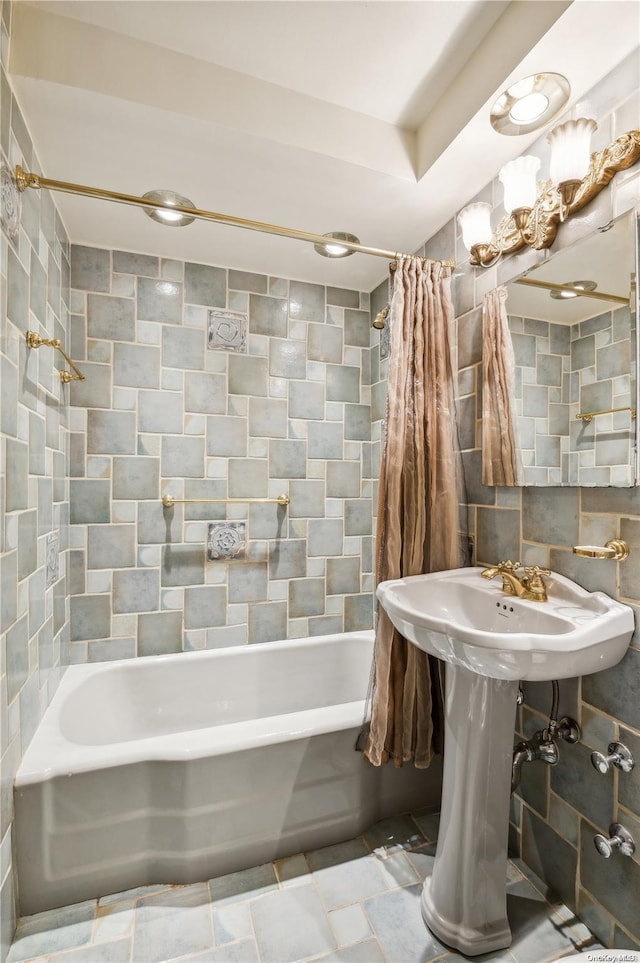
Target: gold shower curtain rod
25,179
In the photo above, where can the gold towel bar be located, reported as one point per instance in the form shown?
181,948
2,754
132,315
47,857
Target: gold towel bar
169,501
34,341
588,415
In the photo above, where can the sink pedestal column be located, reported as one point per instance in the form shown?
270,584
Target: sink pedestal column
464,901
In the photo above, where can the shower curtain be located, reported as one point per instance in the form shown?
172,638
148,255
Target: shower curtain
501,464
418,505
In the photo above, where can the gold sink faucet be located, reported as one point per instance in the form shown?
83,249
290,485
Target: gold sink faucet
529,586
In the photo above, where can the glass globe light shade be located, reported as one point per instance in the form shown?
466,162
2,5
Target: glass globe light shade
475,223
518,178
570,150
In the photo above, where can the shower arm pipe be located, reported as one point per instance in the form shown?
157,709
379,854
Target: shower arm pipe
169,501
25,179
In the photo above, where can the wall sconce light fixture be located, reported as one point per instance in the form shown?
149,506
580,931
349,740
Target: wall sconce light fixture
535,210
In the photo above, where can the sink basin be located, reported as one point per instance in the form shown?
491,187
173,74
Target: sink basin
489,641
467,620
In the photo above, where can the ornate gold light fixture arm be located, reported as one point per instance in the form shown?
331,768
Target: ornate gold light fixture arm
542,226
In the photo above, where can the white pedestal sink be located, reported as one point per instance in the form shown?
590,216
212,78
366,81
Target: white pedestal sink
490,641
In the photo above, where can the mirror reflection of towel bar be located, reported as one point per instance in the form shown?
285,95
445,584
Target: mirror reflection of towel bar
169,501
579,292
588,415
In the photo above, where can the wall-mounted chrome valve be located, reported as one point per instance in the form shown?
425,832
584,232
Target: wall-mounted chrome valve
620,839
619,756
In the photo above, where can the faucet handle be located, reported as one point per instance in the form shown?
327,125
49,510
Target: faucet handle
509,566
535,571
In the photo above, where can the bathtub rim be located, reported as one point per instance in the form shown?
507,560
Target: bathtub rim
51,755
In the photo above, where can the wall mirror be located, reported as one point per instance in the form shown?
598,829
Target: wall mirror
574,331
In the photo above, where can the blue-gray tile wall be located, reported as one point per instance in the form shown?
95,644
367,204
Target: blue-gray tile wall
179,415
34,486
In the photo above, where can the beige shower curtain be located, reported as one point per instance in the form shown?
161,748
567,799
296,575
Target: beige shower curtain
501,464
418,520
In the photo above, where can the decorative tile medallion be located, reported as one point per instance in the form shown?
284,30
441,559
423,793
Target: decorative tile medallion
52,568
10,202
227,331
227,540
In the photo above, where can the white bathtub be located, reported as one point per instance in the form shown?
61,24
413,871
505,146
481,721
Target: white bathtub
179,768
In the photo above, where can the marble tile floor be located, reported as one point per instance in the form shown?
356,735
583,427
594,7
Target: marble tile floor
354,902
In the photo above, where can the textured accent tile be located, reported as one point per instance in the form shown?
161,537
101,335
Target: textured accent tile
226,541
227,331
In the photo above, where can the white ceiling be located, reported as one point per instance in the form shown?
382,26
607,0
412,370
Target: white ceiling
367,117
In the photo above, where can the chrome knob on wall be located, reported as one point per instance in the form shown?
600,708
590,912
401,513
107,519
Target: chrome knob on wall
619,756
620,839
